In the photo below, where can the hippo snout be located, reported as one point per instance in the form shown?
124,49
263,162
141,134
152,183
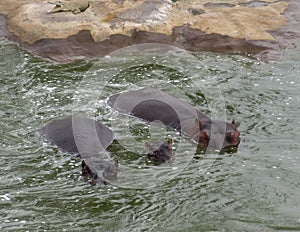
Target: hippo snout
218,134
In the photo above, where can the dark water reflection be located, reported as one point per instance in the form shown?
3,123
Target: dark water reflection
255,189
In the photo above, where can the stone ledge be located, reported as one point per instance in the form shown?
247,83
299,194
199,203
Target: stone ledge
252,27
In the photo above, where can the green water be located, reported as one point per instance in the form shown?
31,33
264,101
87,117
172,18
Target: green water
255,189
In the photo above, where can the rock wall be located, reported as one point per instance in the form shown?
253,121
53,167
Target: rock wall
259,28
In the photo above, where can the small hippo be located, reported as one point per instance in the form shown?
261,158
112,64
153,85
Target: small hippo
108,173
154,105
160,152
89,139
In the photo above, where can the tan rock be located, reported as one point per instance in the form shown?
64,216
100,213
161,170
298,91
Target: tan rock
241,20
32,21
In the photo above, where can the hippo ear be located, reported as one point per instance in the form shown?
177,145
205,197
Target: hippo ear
234,124
170,142
83,164
85,168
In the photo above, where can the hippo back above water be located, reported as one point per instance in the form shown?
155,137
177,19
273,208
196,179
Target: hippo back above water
154,105
89,139
78,134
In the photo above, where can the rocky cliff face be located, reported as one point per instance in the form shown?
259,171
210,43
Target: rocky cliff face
259,28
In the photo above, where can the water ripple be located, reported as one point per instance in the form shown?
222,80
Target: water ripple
42,189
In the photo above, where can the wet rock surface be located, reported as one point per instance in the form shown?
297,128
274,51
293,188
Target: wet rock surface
259,28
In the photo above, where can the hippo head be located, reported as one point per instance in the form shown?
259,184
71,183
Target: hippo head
109,172
160,152
232,138
218,134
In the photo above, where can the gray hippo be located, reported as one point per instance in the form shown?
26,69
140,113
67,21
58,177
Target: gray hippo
154,105
160,152
90,139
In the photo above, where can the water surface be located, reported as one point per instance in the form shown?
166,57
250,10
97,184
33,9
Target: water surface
255,189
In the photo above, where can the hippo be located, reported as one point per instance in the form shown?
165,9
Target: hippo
89,139
68,133
152,104
160,152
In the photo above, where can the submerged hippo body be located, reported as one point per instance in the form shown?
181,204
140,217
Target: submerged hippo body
154,105
89,139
